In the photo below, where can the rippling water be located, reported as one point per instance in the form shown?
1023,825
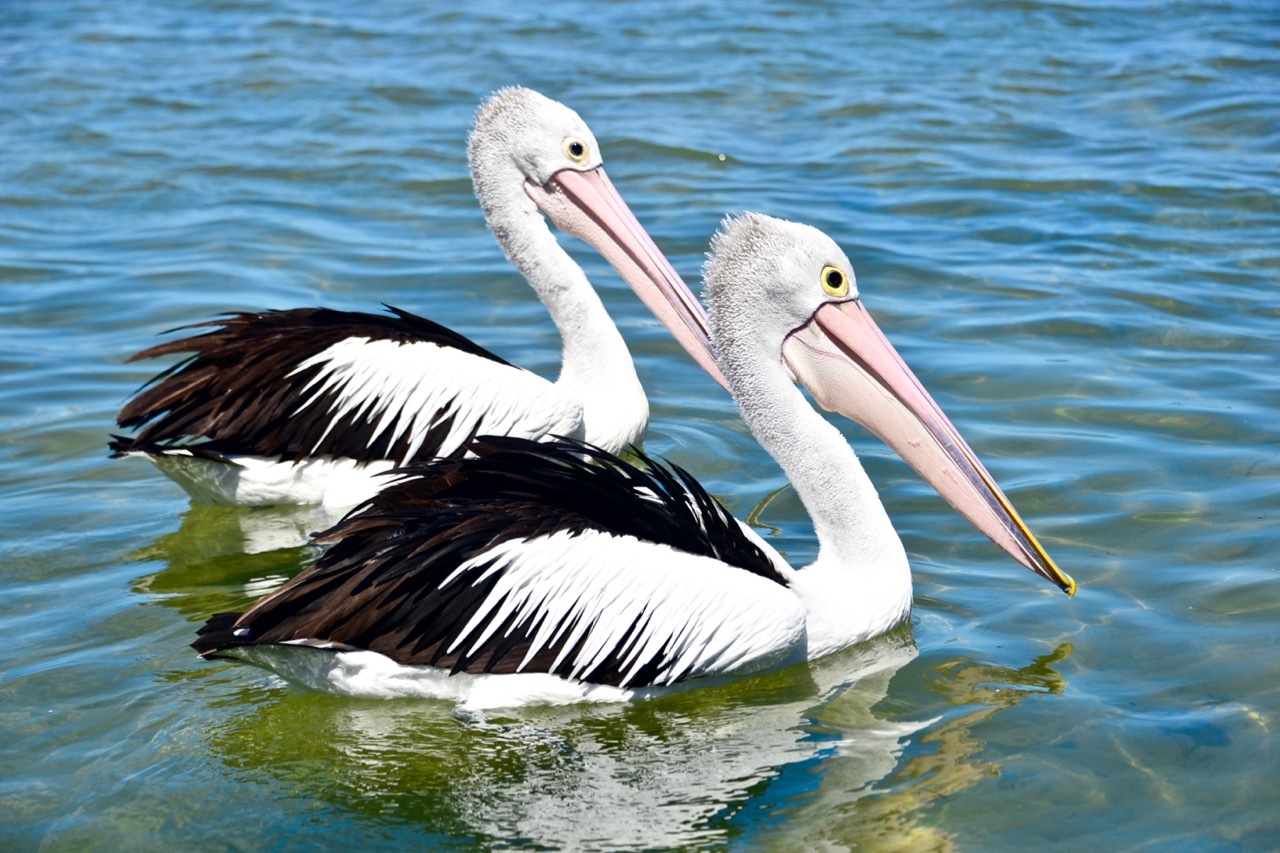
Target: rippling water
1065,214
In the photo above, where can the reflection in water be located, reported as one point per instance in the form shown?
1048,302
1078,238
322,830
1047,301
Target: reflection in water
222,557
755,517
804,759
682,770
888,815
209,529
792,760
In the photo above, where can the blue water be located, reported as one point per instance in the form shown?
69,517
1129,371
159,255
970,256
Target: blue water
1064,214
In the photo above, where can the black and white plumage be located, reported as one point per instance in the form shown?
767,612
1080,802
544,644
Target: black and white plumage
309,406
444,569
240,387
531,575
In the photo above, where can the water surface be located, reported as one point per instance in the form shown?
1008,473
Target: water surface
1064,214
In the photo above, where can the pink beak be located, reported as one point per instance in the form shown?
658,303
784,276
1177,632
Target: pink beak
844,359
586,205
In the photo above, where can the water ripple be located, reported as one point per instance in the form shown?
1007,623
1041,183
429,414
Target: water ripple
1063,214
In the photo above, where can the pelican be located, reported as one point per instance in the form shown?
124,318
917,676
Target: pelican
542,573
308,406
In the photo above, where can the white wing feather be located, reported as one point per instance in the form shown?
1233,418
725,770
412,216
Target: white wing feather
709,617
402,387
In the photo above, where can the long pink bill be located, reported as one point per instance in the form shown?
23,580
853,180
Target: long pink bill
844,359
586,205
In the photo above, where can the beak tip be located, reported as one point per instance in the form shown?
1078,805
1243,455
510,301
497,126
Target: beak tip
1070,586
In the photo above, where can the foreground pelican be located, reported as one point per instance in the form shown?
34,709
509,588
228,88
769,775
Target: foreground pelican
307,406
530,575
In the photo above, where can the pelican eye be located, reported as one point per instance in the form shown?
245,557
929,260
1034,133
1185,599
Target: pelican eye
834,281
575,149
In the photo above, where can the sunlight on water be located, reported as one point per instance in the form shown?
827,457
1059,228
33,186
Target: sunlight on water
1064,215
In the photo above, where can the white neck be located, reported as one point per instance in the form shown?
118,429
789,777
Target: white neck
860,585
596,368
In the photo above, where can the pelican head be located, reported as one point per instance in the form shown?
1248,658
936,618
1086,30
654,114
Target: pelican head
784,296
536,135
531,154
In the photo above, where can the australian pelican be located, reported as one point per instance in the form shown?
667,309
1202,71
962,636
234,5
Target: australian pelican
307,406
537,573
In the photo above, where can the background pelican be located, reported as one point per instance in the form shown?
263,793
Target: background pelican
306,406
529,574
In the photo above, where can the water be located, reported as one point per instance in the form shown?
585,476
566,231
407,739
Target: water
1065,214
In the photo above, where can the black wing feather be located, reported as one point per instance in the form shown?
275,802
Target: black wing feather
238,392
381,586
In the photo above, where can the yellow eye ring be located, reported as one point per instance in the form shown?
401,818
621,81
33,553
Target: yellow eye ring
834,281
576,150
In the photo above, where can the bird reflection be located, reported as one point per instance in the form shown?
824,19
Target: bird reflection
797,759
945,759
221,557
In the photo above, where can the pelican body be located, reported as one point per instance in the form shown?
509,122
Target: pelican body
308,406
557,572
